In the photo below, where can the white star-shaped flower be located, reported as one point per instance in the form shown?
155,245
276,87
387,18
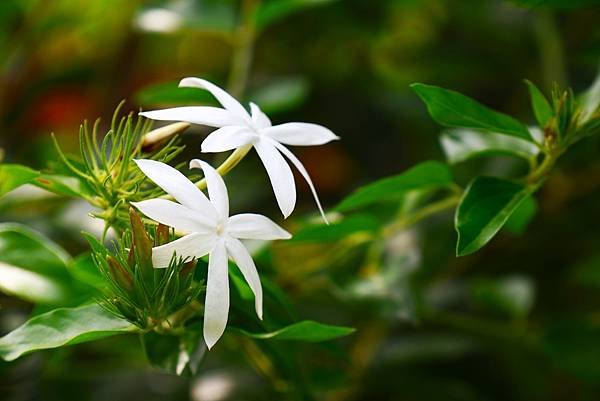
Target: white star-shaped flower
239,128
208,229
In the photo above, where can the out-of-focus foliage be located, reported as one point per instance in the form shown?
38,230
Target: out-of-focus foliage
516,320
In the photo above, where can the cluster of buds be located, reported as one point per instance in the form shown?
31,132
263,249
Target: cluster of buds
153,299
107,170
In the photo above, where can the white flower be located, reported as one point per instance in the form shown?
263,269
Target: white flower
238,128
209,230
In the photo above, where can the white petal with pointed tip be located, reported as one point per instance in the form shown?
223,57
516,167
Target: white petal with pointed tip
175,215
215,186
300,134
255,226
228,101
259,118
244,261
177,185
191,246
298,164
204,115
216,305
280,175
227,138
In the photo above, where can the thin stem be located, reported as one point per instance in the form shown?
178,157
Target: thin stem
426,211
550,47
243,51
536,176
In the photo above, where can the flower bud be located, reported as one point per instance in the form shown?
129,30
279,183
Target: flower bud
188,269
162,235
142,247
154,138
120,274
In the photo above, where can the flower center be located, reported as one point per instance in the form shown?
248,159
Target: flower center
220,229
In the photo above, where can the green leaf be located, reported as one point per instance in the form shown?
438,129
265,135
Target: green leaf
85,270
64,185
281,95
484,208
31,266
274,10
591,99
517,223
541,107
31,286
336,230
464,144
427,175
306,330
62,327
169,93
13,176
512,296
181,354
453,109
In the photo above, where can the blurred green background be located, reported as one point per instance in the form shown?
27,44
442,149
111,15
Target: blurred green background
519,320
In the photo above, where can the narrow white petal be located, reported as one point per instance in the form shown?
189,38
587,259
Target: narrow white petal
302,134
280,175
216,304
191,246
255,226
177,185
304,174
216,187
227,138
244,261
175,215
259,118
204,115
226,100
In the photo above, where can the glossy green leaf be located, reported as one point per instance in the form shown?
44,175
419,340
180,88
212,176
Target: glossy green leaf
336,230
518,221
464,144
306,330
62,327
541,107
453,109
274,10
85,270
31,266
31,286
63,185
427,175
177,354
485,206
13,176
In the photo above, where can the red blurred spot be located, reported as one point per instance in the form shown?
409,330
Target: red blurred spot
329,167
61,109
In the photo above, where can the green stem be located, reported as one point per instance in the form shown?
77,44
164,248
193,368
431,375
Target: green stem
550,47
243,50
537,175
429,210
233,160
